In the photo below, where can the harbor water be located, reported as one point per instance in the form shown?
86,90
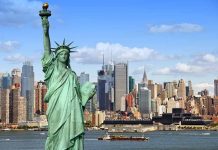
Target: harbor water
158,140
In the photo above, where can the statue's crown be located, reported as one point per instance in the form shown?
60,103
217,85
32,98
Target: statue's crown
64,46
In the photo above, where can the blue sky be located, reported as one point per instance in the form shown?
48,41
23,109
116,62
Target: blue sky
170,39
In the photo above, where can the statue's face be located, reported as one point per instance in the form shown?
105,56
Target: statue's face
63,56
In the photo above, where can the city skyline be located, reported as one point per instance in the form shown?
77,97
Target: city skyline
171,40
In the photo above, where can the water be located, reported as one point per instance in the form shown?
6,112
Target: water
159,140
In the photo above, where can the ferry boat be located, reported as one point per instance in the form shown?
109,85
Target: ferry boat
122,138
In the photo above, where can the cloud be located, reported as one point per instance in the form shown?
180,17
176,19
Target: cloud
9,45
118,52
138,71
205,59
201,86
180,68
163,71
17,58
184,27
18,12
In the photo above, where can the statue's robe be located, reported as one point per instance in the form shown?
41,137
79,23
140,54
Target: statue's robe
65,107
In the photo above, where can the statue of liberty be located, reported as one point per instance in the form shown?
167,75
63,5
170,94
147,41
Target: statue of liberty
66,99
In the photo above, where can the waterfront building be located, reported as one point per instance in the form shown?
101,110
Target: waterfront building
17,106
40,92
216,87
27,88
99,117
182,93
120,83
5,100
171,103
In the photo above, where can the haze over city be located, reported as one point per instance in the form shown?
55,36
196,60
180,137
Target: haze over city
170,40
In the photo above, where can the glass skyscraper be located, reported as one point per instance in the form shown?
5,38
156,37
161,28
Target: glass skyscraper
27,88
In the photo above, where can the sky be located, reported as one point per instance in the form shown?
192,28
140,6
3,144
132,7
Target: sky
171,40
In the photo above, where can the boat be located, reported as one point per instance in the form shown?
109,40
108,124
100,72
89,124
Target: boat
122,138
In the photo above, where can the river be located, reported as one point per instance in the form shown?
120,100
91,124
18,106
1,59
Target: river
159,140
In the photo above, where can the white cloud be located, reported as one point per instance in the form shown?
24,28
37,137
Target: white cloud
139,70
119,53
184,27
17,58
163,71
9,45
18,12
209,58
185,68
201,86
180,68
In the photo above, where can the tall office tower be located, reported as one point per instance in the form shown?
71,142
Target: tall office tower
6,81
120,83
27,88
216,87
159,89
17,106
175,84
16,77
105,88
40,105
144,79
130,100
182,93
153,88
83,78
144,100
5,100
91,105
190,89
131,83
170,89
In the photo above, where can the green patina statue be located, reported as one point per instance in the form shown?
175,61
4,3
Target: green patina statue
66,99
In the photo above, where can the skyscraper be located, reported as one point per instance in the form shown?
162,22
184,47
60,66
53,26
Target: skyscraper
27,88
131,83
216,87
182,93
83,78
17,106
6,81
153,88
144,79
120,83
5,100
40,91
144,100
16,77
190,89
104,88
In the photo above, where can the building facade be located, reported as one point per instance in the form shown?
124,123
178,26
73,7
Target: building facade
27,88
120,83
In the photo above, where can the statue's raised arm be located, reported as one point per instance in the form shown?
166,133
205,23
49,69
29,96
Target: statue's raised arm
45,24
